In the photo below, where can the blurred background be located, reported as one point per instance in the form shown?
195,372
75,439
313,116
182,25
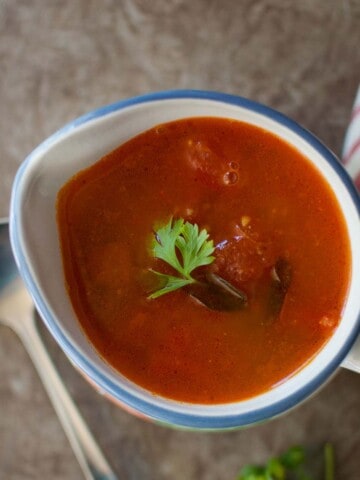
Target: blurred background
62,58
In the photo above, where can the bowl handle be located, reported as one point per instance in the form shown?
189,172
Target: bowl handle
352,360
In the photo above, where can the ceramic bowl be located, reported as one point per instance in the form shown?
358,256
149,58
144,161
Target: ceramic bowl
35,243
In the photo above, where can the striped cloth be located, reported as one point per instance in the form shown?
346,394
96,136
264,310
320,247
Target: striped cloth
351,161
351,150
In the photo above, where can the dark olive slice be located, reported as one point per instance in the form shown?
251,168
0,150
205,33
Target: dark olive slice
217,294
281,275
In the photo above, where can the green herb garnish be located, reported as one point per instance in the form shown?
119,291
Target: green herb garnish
181,245
329,461
294,464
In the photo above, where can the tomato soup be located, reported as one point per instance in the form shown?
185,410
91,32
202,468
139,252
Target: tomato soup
260,202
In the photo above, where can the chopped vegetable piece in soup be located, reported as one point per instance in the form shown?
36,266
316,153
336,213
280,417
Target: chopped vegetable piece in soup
238,317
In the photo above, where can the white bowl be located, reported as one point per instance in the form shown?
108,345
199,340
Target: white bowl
35,243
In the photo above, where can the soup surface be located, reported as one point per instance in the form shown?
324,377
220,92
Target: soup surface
260,201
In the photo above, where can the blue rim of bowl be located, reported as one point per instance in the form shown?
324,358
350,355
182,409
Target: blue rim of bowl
146,407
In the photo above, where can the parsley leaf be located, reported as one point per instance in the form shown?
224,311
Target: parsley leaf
169,283
183,247
194,247
295,464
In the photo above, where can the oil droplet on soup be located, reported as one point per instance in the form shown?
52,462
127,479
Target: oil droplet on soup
260,201
230,178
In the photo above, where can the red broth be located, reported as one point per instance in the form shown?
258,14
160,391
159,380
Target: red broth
259,200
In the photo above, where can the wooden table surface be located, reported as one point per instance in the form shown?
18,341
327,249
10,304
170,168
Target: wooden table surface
62,58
